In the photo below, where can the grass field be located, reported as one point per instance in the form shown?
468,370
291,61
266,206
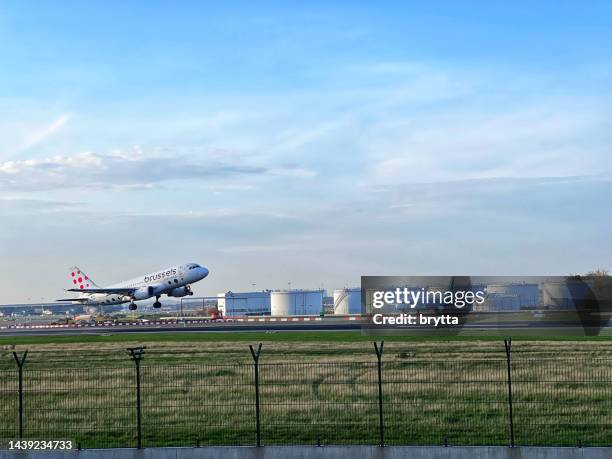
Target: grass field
290,336
315,387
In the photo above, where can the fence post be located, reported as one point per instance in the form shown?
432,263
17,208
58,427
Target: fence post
137,354
255,354
381,424
20,363
508,346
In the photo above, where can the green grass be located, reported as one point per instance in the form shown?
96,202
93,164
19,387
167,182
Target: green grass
315,387
564,402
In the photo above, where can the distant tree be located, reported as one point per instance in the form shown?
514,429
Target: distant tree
597,273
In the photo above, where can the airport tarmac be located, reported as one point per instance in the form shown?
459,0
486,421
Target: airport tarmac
179,327
312,324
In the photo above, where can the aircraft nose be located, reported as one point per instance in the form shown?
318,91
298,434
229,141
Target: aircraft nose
204,272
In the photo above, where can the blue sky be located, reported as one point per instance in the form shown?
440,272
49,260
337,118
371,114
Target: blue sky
311,144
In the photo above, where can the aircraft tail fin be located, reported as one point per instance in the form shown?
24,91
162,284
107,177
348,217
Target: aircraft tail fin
80,280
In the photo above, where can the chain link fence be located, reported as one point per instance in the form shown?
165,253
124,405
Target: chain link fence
556,402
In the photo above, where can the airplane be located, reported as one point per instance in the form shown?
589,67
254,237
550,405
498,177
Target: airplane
174,281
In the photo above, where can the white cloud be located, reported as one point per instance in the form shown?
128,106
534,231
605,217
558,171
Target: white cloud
128,170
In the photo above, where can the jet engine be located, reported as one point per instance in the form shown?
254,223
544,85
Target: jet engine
180,291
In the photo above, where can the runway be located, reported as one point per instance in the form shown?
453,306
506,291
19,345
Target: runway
211,327
265,326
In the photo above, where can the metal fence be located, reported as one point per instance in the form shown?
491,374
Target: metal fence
561,402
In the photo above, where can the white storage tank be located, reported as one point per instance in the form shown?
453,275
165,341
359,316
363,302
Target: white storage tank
296,302
347,301
525,295
244,303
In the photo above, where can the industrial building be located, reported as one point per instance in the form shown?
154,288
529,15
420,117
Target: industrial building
347,301
296,302
512,296
276,303
244,303
39,308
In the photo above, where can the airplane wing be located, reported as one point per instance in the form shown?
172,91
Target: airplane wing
80,300
118,291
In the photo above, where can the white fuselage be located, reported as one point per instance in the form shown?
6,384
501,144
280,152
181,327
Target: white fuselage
173,281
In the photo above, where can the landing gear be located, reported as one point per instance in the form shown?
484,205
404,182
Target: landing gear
157,304
132,306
